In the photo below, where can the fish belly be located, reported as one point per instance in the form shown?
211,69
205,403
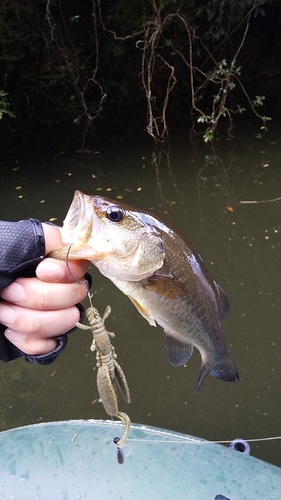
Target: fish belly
177,317
185,327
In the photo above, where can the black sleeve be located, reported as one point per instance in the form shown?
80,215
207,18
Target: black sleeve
22,247
9,352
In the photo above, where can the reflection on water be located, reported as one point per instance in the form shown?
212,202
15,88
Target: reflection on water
199,193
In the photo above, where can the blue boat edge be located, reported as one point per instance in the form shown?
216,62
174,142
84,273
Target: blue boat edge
77,459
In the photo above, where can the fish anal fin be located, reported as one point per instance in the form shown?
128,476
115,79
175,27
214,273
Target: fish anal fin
178,352
143,311
166,286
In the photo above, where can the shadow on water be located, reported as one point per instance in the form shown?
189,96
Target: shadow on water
200,193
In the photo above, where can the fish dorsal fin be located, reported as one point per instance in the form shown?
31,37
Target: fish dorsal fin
178,352
223,302
143,311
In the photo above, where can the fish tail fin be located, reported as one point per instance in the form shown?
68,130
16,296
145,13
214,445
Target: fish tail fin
204,370
225,369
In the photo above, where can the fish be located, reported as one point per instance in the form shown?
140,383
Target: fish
162,274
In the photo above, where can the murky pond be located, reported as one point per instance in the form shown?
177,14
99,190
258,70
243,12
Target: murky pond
200,193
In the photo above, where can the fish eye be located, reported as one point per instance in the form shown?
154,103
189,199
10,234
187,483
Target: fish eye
115,213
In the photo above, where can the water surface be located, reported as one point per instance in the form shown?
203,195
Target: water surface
199,193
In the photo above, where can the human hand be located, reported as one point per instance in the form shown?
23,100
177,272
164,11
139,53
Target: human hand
37,309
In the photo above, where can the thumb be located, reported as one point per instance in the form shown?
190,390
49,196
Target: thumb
54,270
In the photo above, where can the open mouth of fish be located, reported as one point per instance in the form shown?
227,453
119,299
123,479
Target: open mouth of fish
77,215
78,219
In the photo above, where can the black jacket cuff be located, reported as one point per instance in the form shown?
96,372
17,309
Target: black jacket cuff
43,359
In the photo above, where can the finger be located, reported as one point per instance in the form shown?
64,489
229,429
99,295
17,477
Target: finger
43,324
54,270
31,345
33,293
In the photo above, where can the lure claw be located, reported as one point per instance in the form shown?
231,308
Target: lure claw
109,374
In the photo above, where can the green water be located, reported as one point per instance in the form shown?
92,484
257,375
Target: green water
240,243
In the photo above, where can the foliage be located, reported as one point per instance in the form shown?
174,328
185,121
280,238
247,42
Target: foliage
72,66
220,76
4,105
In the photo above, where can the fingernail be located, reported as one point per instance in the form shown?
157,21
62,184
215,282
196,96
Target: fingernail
15,337
13,293
49,270
7,315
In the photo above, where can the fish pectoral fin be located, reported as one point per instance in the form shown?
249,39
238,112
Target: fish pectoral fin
143,311
166,286
178,352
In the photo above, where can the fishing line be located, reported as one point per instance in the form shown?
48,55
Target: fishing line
120,455
194,441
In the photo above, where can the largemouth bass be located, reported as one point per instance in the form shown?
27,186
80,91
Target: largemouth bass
161,273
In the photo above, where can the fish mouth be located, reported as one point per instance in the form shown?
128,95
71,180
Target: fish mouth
74,215
85,235
78,218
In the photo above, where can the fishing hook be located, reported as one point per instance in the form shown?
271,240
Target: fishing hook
76,279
